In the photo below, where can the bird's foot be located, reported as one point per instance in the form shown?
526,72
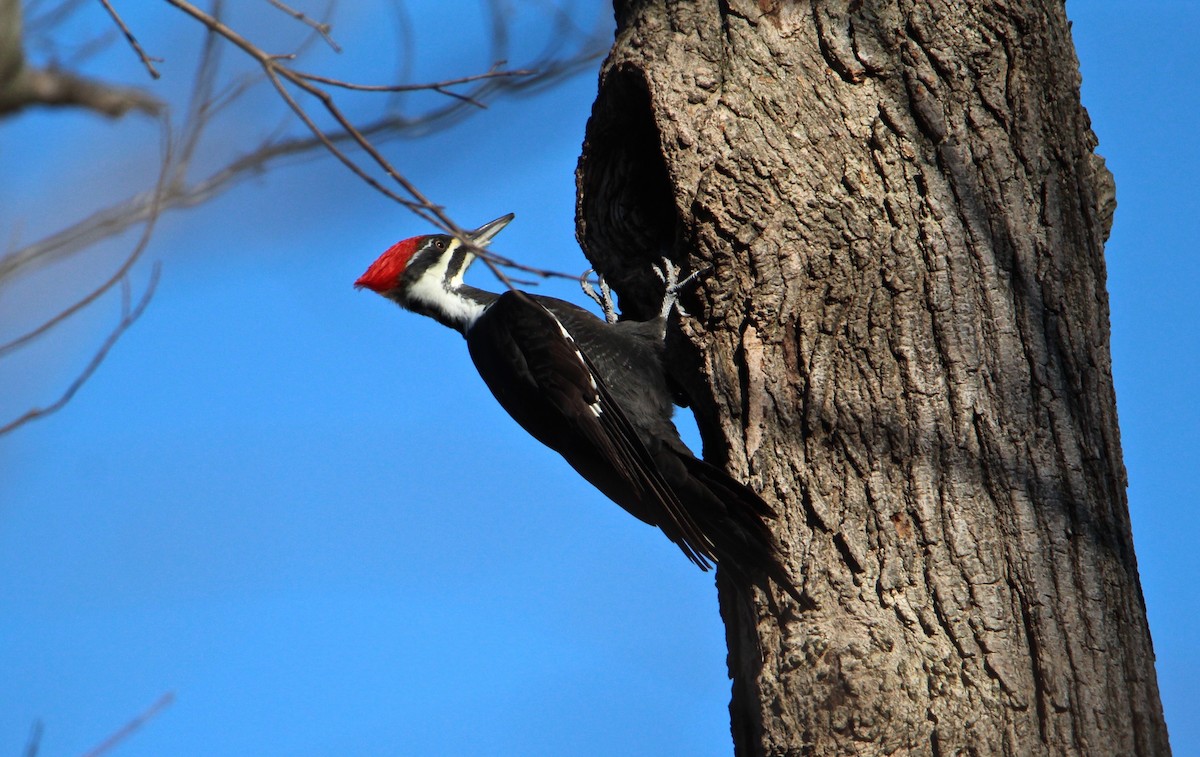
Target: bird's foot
603,298
668,274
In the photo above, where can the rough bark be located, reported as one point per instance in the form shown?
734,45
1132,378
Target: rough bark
904,344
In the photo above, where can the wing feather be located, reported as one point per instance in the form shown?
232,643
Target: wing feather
539,374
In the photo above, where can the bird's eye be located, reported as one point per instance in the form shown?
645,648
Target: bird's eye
439,243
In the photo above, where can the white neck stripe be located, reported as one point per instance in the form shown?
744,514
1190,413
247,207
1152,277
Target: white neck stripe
434,293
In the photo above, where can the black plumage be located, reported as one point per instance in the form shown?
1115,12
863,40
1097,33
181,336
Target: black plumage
596,393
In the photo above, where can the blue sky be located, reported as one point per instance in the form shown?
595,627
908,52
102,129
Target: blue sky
299,509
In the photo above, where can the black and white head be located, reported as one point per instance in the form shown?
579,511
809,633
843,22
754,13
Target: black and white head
425,274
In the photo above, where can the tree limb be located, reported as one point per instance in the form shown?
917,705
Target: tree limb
125,731
57,88
177,189
22,85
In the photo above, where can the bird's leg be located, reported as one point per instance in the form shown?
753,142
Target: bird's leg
603,298
668,274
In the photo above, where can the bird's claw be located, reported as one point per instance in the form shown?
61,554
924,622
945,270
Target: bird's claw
668,274
603,298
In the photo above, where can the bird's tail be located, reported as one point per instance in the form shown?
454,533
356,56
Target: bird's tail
737,527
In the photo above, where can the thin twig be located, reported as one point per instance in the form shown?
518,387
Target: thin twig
495,72
277,72
89,49
35,739
320,27
94,295
417,207
39,21
114,219
147,61
405,44
163,702
121,272
128,319
200,103
129,315
441,87
174,189
181,193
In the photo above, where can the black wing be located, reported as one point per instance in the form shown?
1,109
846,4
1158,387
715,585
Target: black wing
538,374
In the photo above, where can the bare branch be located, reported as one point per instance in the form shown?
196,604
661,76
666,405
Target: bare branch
355,145
116,218
202,104
149,209
147,61
129,317
495,72
320,27
120,276
35,739
90,48
22,85
127,730
417,207
277,72
177,195
40,21
180,193
12,56
48,86
405,45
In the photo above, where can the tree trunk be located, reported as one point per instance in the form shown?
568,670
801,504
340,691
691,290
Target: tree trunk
903,343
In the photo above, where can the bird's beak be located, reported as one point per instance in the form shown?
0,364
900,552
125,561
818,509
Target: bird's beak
484,234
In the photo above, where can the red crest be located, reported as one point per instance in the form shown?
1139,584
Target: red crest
385,272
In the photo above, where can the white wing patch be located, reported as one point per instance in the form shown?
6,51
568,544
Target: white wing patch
594,406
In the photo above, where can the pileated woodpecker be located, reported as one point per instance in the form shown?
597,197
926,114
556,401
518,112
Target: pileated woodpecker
594,391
